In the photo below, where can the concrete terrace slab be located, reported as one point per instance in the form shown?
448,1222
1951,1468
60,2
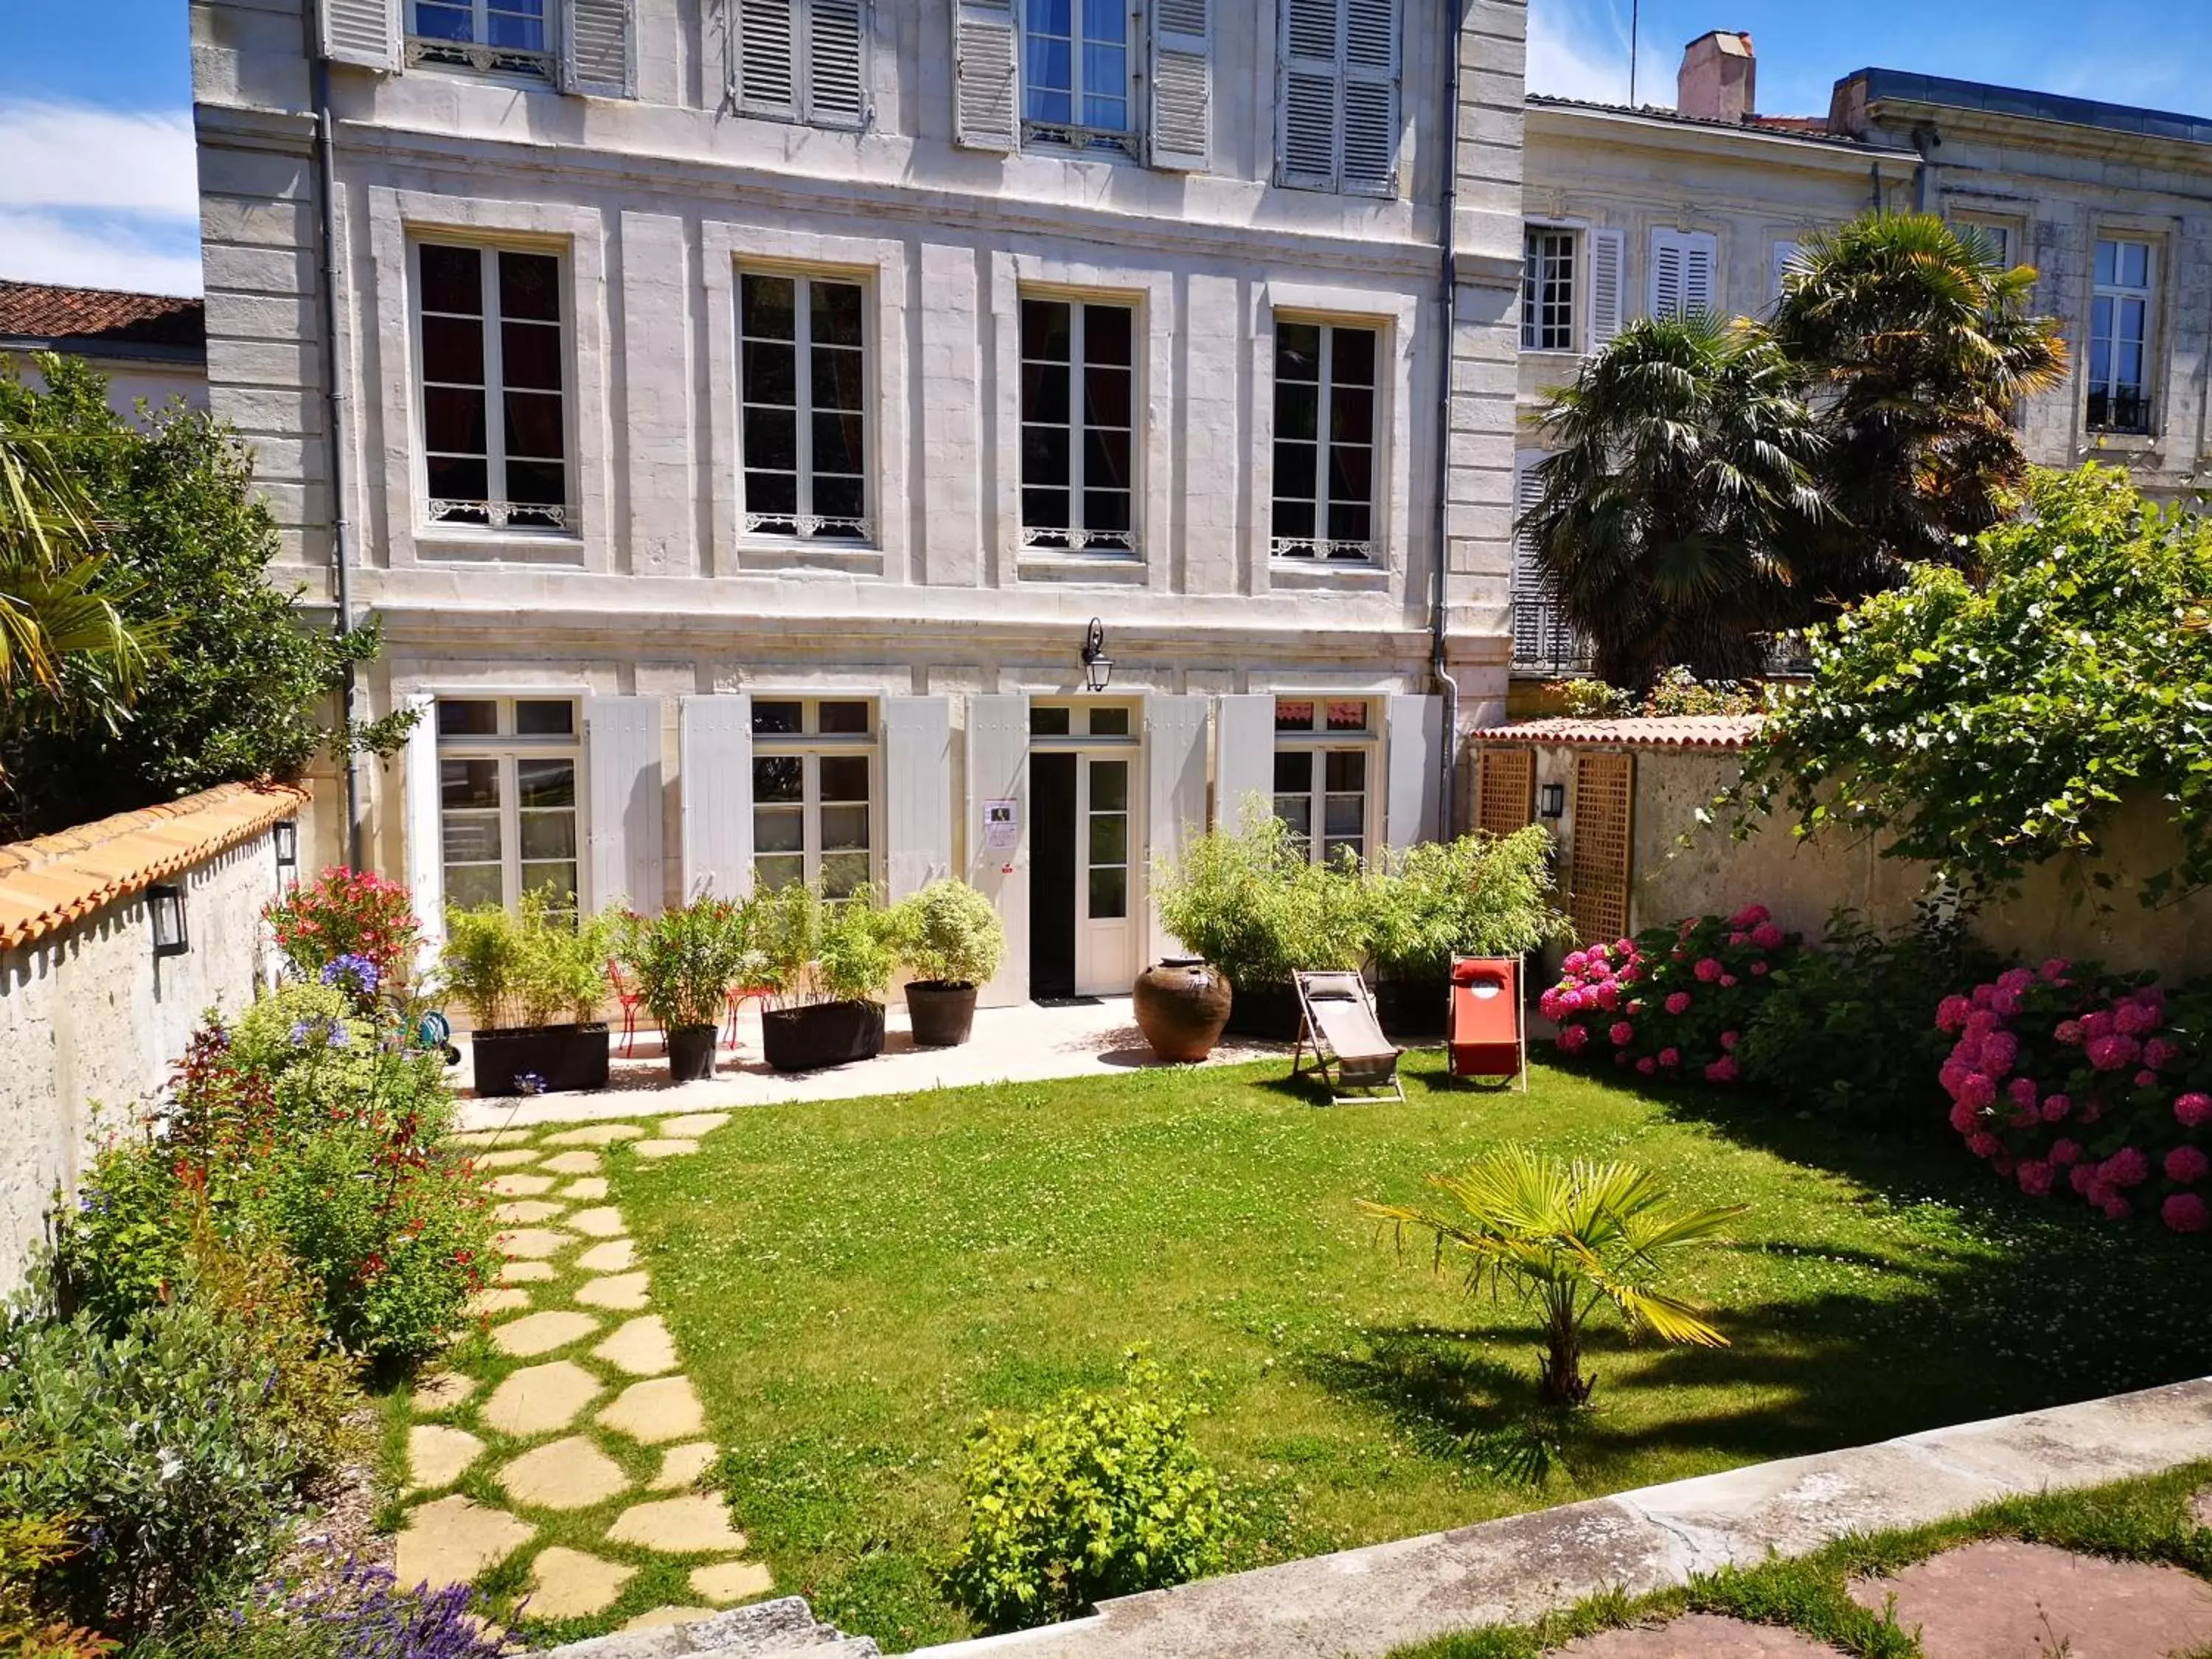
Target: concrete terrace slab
1021,1044
1363,1603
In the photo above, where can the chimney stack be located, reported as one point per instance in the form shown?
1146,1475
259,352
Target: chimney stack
1719,78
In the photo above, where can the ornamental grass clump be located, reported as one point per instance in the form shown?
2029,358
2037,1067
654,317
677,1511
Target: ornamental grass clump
1479,896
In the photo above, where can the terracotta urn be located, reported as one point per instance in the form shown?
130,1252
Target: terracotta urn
1182,1005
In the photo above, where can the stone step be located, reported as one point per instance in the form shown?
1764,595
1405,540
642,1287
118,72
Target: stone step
766,1630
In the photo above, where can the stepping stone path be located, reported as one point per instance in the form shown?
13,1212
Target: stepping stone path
594,1438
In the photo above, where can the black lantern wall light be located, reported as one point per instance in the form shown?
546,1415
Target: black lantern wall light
1098,667
1553,803
165,910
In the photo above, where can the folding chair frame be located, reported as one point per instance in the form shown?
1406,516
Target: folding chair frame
1324,1063
1520,1021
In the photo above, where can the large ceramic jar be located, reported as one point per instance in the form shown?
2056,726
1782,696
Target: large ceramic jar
1182,1003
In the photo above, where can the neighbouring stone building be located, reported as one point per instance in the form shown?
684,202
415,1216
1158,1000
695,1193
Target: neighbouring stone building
151,346
744,407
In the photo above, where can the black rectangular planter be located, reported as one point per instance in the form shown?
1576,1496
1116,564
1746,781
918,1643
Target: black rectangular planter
1269,1012
562,1059
1413,1008
822,1034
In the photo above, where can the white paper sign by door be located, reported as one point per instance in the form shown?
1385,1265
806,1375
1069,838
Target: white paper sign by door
1002,825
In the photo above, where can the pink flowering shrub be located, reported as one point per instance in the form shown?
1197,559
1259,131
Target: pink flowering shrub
2075,1083
1673,1001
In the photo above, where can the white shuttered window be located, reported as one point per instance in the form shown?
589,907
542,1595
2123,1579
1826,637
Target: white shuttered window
1685,273
1183,86
504,37
1608,265
1338,113
800,60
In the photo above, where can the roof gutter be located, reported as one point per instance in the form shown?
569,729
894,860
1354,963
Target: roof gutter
341,512
1448,315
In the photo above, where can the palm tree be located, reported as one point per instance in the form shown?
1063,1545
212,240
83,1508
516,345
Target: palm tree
1679,493
1916,346
1568,1239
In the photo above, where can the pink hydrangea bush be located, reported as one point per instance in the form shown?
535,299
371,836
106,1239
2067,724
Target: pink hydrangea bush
1673,1001
2077,1084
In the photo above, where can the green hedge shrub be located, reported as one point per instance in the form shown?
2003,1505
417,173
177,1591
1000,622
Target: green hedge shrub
1478,895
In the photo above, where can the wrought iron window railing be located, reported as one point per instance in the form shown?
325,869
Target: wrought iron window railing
1309,549
2124,411
501,516
486,60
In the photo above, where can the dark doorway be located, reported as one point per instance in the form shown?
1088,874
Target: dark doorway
1051,875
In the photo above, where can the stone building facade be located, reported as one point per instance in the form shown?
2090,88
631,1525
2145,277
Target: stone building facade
744,407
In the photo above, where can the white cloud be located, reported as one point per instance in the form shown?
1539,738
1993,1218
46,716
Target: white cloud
99,197
1579,49
98,251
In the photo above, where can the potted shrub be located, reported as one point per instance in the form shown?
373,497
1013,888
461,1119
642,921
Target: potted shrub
952,939
825,964
1479,896
685,960
531,980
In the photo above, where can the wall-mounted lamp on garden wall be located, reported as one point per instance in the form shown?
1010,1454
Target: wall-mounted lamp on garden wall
165,906
1552,802
1098,667
285,834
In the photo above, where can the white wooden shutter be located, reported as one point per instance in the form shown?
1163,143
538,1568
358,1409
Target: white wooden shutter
599,48
425,832
715,780
362,31
917,792
985,106
1665,299
1414,771
1174,786
1685,273
1183,86
1701,274
1785,255
836,43
1528,585
764,56
1311,106
621,756
1608,263
1243,756
998,769
1370,96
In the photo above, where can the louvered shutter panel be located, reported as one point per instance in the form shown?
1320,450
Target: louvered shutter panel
1701,259
1531,601
1786,256
984,105
1505,796
1667,256
836,37
1175,784
1414,771
1183,86
917,792
622,754
714,757
1609,261
1370,96
362,31
599,48
425,849
1243,758
998,769
763,58
1312,100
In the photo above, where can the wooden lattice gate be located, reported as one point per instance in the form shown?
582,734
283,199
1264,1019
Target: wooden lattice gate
1601,867
1506,794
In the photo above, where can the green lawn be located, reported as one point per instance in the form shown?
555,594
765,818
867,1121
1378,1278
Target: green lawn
851,1284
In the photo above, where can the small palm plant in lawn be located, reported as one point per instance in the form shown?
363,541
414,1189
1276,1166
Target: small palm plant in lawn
1568,1239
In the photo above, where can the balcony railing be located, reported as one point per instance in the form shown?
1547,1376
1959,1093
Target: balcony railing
488,60
1544,644
2126,411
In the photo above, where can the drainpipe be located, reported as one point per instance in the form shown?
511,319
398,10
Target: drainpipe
1447,311
334,383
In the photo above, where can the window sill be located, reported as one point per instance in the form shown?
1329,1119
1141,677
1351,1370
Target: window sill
1318,573
1118,570
776,553
2128,442
445,543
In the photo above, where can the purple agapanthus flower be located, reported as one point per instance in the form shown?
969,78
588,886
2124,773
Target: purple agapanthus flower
354,973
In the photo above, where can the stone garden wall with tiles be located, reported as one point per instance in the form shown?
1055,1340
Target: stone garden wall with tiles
90,1018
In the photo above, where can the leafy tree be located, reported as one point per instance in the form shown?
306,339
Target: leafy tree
239,690
1916,346
1679,488
1568,1238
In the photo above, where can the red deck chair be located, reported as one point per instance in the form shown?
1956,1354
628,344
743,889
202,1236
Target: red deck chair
1489,1027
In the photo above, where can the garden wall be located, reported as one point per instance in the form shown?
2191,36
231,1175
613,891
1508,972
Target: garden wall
90,1018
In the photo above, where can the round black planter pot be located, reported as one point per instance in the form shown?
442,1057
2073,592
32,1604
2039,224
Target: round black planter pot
822,1034
942,1012
691,1053
1413,1007
1269,1012
540,1058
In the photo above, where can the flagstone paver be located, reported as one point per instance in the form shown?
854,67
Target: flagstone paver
577,1163
437,1453
621,1293
539,1399
453,1540
616,1255
2004,1597
681,1466
1694,1635
732,1580
475,1137
534,1243
442,1391
542,1333
595,1134
568,1584
677,1526
692,1125
521,1212
670,1148
519,1186
655,1412
496,1300
526,1273
585,1189
507,1157
563,1474
641,1346
604,1222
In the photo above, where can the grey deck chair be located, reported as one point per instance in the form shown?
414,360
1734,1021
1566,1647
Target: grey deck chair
1336,1014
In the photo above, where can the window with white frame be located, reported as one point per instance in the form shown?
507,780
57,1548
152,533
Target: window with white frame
800,60
1075,72
1324,766
1078,406
814,772
506,800
1993,237
1324,486
2120,318
1337,113
495,418
1547,289
507,37
802,372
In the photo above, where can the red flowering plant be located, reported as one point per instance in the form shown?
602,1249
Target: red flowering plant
2074,1082
1674,1000
349,928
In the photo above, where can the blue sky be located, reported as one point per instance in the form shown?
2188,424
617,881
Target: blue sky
96,179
